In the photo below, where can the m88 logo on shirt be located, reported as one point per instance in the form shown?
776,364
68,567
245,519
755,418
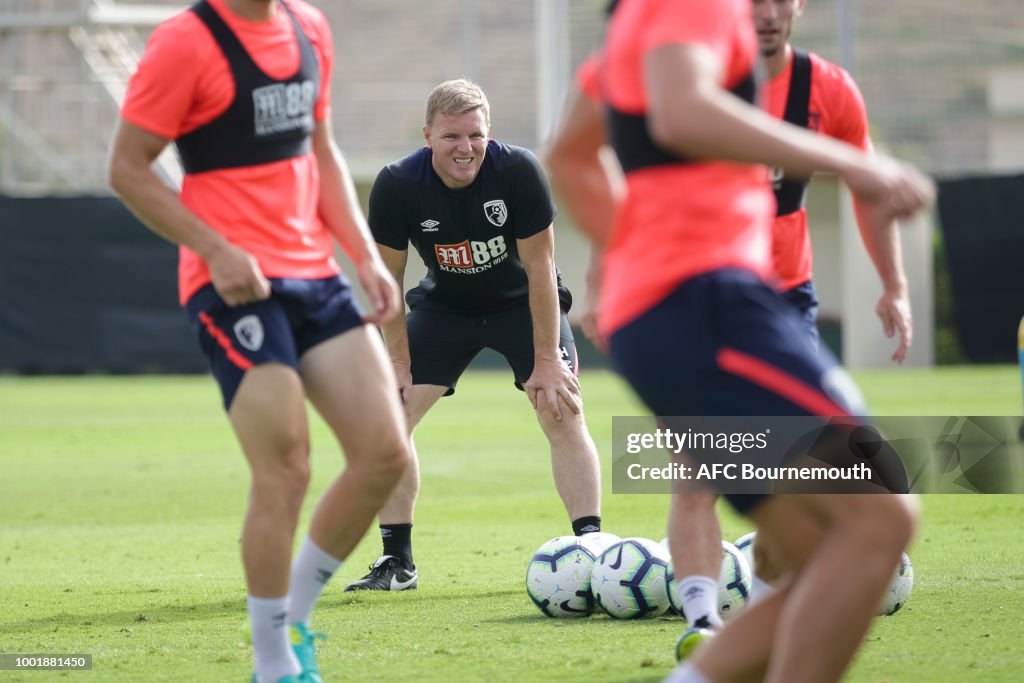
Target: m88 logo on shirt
468,257
281,107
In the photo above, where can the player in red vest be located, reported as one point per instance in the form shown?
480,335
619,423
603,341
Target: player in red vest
242,88
807,91
691,322
811,92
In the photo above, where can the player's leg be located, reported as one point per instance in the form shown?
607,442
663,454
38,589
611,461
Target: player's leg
269,418
574,461
398,509
695,540
793,635
396,569
712,664
441,346
771,568
349,381
869,532
747,357
760,350
252,355
754,626
575,466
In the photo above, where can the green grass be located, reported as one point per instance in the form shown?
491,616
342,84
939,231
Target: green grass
121,501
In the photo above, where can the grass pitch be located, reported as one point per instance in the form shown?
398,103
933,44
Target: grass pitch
121,502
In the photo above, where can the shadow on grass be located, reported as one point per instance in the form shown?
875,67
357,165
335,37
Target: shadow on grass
338,598
537,618
139,614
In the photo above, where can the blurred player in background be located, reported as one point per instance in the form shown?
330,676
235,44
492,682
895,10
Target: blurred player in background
691,322
807,91
480,214
242,87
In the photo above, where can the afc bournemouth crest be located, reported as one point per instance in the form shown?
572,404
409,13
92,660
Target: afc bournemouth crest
249,332
496,212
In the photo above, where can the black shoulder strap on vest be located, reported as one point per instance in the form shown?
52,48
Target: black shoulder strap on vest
790,193
799,100
219,29
631,139
251,133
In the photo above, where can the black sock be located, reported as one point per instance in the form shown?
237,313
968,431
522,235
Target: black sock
585,525
398,541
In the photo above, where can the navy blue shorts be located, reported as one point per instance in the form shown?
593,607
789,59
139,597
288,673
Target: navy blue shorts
804,298
726,344
298,315
442,344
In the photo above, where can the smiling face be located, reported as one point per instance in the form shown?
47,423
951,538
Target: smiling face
459,143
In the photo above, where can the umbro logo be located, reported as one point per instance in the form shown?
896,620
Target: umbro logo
430,225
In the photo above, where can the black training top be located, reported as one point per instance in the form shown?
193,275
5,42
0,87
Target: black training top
466,237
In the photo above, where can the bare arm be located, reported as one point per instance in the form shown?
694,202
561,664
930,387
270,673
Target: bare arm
685,78
583,170
551,379
235,274
882,242
396,333
590,184
592,299
339,208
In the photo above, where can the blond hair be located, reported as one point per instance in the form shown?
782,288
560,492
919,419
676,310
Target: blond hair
456,97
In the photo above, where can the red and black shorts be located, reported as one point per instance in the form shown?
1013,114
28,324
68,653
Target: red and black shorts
725,344
298,315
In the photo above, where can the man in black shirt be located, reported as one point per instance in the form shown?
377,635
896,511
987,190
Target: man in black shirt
480,215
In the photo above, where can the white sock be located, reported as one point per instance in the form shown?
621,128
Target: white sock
271,647
759,589
311,571
698,596
686,673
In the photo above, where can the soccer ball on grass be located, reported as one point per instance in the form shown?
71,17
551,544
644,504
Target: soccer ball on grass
628,580
733,582
558,578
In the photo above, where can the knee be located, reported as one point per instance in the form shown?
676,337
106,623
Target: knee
393,458
295,471
385,461
283,481
570,430
766,566
886,522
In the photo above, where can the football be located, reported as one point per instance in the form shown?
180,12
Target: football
899,589
558,578
745,544
733,582
598,541
628,581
